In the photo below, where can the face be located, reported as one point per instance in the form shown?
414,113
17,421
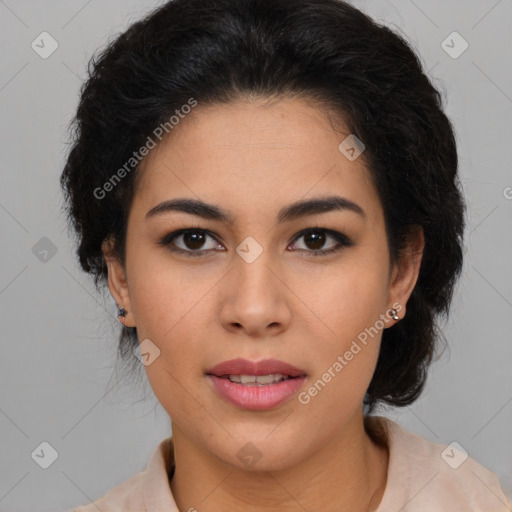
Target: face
299,285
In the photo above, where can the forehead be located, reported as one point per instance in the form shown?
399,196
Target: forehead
255,156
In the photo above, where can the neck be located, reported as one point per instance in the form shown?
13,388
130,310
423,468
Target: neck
348,472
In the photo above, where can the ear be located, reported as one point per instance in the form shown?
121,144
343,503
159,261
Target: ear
404,274
117,283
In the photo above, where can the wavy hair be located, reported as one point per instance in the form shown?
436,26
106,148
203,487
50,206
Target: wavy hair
217,51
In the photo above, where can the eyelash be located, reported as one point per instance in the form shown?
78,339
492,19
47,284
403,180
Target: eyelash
343,241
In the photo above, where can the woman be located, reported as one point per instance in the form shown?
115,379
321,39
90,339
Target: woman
270,191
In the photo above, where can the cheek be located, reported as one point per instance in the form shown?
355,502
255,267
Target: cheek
348,302
171,314
163,293
344,299
349,335
176,372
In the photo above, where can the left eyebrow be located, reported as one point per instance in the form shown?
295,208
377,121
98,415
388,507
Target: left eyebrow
318,205
294,211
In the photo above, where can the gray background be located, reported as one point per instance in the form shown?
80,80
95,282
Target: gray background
58,381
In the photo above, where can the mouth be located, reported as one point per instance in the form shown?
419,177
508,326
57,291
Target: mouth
258,385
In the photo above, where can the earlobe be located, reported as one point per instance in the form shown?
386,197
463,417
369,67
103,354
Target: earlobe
406,271
118,284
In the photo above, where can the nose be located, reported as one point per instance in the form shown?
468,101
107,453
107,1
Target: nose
255,298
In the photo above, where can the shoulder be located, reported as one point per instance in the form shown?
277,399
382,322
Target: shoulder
428,476
126,496
148,489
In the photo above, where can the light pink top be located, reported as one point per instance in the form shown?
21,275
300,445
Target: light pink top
422,477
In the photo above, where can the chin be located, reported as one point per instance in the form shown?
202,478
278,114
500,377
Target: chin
263,453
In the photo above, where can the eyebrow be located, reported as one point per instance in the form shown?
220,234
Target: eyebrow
294,211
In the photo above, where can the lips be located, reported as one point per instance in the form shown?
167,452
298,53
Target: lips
234,381
245,367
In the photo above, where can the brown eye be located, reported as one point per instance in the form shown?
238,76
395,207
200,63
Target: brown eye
314,241
192,242
194,239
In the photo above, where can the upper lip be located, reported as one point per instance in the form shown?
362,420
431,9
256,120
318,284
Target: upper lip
245,367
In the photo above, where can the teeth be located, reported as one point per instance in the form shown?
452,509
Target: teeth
267,379
258,379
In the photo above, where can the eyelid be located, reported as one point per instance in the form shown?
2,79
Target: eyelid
170,237
340,237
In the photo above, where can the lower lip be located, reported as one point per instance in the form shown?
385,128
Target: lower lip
256,397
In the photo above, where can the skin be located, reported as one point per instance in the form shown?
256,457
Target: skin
253,157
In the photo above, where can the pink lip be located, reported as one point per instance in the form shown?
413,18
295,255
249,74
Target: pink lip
264,367
256,397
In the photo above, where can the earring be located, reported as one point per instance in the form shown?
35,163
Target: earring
394,314
122,313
